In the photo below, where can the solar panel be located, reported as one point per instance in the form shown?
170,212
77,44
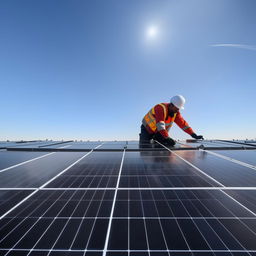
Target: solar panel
118,198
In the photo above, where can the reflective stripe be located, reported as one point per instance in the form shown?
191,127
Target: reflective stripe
169,124
147,122
185,128
151,117
164,110
150,120
144,122
160,126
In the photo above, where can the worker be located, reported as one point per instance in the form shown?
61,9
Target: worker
157,122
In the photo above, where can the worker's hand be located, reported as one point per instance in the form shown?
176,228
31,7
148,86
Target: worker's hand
197,137
169,142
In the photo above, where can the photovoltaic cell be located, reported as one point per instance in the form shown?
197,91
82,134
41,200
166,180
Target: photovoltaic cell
12,158
79,203
97,170
177,204
247,156
228,173
48,220
9,198
246,197
143,170
36,173
167,215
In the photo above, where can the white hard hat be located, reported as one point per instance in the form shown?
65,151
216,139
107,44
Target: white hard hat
178,101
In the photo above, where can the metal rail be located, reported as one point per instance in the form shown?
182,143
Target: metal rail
237,142
127,149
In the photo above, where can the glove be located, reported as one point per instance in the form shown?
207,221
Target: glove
197,137
169,142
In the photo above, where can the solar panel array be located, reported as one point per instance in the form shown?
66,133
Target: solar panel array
123,199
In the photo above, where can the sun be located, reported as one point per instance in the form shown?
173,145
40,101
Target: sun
152,32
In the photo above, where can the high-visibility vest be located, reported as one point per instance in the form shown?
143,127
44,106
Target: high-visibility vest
150,120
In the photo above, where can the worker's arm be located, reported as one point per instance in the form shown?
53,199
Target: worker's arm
160,123
179,120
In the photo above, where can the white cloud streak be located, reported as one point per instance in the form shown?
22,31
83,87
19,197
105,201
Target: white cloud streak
241,46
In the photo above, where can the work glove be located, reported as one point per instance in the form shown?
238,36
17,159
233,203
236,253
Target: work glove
197,137
159,137
169,142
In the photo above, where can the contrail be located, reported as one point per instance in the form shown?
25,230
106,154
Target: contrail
241,46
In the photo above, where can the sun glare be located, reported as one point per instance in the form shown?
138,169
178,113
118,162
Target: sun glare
152,32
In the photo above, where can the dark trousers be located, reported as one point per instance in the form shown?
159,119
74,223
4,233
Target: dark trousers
145,136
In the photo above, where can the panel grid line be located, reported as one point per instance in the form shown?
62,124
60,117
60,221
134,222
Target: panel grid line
12,218
85,217
193,222
158,218
144,222
94,221
32,227
69,218
47,228
53,219
170,251
141,218
80,224
176,221
25,162
230,159
218,222
128,222
136,188
30,160
113,206
198,169
45,184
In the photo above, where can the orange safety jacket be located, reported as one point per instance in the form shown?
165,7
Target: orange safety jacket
159,120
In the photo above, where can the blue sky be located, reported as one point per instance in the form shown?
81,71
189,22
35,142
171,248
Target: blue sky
73,69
